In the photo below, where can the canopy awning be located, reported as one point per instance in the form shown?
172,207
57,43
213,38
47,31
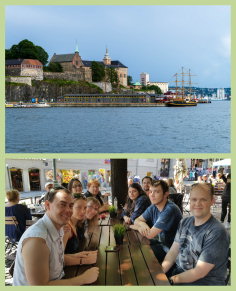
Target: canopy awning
225,162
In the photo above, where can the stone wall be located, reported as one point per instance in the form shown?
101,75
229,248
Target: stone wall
34,73
82,74
21,80
105,86
44,90
12,71
122,75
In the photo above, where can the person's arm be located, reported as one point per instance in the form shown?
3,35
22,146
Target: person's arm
153,232
127,219
192,275
36,262
141,225
81,258
67,234
170,257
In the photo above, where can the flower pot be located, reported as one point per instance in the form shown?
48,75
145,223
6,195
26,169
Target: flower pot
119,240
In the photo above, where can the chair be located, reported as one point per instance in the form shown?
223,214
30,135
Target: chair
29,223
10,243
10,221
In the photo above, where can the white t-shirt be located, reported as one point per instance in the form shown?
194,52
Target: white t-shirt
45,229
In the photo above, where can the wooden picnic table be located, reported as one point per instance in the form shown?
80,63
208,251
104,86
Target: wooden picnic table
133,264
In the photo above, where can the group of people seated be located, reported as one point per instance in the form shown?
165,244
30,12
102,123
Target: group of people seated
192,250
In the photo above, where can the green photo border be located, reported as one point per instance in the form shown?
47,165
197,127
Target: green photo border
4,156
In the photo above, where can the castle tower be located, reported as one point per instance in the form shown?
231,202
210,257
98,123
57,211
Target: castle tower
107,59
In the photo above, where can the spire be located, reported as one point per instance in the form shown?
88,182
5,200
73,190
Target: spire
107,59
76,47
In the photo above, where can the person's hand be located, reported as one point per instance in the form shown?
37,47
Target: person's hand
86,258
90,258
106,194
144,230
67,229
127,220
86,253
133,226
89,276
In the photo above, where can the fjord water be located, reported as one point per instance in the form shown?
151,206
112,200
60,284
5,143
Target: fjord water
201,129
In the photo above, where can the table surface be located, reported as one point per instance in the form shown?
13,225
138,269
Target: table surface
133,264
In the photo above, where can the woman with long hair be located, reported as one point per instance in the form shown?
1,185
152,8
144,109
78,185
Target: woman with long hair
75,186
74,231
137,202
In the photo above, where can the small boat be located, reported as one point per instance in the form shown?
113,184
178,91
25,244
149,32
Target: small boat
27,105
203,100
9,105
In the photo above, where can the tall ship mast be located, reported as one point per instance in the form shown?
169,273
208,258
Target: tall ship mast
181,99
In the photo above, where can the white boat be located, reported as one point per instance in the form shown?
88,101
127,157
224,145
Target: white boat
27,105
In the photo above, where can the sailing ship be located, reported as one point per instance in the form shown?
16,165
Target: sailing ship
181,99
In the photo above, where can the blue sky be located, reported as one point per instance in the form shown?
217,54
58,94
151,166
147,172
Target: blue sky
158,40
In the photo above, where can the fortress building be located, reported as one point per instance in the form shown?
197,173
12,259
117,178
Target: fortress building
24,68
74,63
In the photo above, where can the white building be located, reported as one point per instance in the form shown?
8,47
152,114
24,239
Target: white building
164,86
221,93
31,174
144,79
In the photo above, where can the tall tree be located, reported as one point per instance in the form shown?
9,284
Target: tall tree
98,71
53,67
26,49
119,180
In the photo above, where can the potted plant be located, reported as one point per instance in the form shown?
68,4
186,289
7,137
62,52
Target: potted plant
119,231
113,211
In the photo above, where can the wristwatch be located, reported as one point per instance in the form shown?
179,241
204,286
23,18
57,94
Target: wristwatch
171,281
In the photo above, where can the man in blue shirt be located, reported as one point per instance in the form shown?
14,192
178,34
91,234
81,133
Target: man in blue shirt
160,220
199,253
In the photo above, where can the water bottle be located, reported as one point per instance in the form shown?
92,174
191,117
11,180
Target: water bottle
115,202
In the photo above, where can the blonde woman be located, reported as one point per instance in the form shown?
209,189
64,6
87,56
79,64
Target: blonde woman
93,191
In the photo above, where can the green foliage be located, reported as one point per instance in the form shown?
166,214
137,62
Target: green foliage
98,72
53,67
15,84
129,80
119,230
152,87
26,49
112,76
112,209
